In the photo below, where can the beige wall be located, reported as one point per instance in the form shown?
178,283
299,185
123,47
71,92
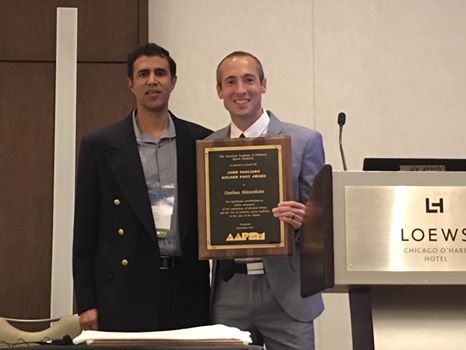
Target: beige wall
200,33
396,67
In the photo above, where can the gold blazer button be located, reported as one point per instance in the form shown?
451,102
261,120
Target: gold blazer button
116,202
124,262
121,232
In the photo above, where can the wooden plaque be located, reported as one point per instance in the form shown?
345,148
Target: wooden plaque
239,181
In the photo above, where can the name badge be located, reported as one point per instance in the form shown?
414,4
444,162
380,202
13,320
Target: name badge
162,211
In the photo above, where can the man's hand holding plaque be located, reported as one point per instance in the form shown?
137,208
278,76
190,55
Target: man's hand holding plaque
290,212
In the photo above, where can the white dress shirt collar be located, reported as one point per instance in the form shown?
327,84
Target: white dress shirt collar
259,128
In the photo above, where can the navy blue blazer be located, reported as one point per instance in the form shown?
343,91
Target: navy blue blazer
116,255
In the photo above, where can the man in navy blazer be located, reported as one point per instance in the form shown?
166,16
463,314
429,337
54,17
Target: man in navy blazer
266,301
135,262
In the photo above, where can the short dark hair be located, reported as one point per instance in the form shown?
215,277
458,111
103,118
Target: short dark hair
150,49
260,69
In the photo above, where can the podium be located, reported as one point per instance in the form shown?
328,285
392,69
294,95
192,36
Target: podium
396,242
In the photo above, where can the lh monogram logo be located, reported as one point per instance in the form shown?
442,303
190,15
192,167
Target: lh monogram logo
434,207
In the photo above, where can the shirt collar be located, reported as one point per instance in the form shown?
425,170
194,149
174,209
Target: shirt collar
141,137
259,128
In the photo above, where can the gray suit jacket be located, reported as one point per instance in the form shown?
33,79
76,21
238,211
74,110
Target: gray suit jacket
283,272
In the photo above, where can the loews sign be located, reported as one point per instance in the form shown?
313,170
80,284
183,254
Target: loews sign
405,228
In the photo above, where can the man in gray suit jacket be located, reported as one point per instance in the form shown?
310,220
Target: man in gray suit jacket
268,304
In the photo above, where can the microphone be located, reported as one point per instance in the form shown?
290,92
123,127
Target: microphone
341,121
66,340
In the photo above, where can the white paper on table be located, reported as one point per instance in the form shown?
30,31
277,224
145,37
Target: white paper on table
214,332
